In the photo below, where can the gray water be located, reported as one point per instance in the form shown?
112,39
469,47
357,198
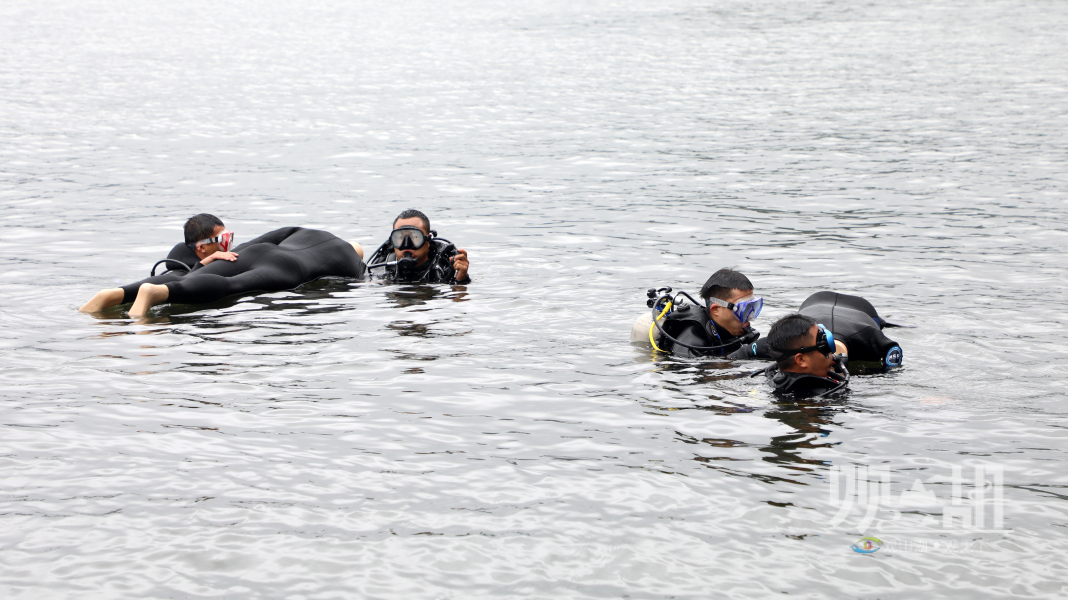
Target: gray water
361,440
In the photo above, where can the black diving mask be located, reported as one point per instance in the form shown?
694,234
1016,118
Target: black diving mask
824,345
408,237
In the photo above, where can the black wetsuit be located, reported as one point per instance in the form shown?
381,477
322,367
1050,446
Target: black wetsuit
851,319
690,324
280,260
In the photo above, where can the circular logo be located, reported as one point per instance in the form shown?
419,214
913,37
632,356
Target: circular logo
893,357
867,545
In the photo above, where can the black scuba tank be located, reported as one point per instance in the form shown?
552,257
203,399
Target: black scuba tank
855,321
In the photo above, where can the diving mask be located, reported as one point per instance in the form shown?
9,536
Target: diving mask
746,309
224,239
824,344
408,237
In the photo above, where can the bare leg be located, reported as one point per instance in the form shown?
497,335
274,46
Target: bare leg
148,295
103,299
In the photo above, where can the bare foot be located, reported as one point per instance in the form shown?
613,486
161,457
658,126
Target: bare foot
148,295
103,299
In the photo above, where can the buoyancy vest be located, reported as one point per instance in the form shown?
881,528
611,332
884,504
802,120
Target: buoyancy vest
691,325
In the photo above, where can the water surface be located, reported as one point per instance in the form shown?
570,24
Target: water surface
503,439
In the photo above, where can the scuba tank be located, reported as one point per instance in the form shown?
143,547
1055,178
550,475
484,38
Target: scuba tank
437,268
855,321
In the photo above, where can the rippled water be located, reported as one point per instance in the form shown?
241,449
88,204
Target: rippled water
504,440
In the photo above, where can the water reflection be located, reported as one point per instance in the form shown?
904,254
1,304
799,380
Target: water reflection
811,421
405,296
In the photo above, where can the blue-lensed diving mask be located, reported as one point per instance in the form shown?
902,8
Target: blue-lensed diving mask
746,309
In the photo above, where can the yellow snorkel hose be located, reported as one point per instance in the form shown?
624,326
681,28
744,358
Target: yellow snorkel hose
652,339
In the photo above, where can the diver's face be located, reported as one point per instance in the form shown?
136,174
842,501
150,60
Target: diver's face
814,362
205,250
725,318
419,254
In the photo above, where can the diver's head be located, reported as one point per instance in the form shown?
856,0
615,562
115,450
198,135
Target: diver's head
411,236
800,345
730,300
205,234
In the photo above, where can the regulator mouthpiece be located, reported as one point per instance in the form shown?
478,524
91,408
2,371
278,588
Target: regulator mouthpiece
406,266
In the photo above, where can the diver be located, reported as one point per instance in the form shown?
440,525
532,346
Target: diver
206,240
282,259
854,324
717,327
806,363
414,253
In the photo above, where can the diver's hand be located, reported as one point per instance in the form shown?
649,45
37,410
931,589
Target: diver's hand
461,264
230,256
840,348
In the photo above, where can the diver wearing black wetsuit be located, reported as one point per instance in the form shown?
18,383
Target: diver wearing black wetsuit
280,260
716,327
437,268
806,363
414,253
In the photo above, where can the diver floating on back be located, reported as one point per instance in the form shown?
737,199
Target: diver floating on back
282,259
